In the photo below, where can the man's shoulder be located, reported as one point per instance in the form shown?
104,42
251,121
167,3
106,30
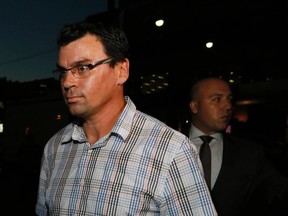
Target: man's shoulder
160,125
242,142
62,134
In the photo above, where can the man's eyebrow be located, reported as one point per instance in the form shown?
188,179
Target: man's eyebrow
216,95
77,63
59,67
220,95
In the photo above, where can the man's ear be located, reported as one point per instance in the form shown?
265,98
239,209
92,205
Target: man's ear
123,71
193,106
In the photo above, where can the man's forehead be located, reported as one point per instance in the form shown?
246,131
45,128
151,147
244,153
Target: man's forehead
221,89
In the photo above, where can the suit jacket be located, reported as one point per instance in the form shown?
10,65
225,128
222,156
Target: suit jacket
247,183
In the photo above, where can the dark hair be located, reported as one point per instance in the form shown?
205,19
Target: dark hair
114,40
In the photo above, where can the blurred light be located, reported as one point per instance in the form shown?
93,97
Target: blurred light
1,128
154,83
209,45
228,129
59,117
159,22
248,102
241,114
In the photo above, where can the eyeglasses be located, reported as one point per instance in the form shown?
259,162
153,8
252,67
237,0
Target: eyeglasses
79,71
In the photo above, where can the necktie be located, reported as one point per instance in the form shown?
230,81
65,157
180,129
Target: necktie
205,157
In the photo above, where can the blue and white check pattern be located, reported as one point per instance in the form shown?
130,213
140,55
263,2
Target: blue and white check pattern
142,167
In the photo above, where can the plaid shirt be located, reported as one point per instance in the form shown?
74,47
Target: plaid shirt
142,167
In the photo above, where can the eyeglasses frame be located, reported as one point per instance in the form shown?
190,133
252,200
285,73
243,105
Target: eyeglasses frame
62,71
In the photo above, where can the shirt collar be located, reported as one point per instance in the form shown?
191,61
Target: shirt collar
122,127
125,121
194,133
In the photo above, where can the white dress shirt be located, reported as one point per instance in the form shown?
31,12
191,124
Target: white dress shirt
216,146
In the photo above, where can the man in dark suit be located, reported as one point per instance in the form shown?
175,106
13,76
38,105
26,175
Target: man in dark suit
242,180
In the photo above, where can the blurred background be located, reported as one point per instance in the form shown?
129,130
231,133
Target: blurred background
172,45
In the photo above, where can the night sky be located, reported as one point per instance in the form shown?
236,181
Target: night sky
251,34
28,34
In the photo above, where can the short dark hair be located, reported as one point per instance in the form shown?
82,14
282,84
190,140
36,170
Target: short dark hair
114,40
